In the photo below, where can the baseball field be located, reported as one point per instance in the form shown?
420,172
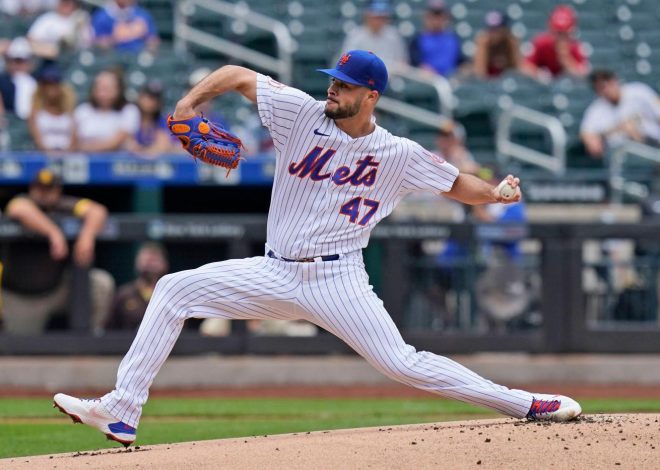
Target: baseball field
336,428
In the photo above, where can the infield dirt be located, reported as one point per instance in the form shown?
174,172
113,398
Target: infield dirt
594,441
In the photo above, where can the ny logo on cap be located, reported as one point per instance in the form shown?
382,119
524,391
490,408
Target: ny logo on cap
343,59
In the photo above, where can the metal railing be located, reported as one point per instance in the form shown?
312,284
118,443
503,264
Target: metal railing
282,65
95,3
411,112
618,184
437,82
555,161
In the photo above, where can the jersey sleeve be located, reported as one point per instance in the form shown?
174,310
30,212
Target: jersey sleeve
427,172
647,95
102,24
151,24
591,123
578,54
279,106
39,29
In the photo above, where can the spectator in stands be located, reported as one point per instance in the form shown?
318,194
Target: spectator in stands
621,112
450,143
16,84
378,35
51,120
108,120
498,50
152,137
556,51
25,7
436,48
36,277
131,300
124,26
66,27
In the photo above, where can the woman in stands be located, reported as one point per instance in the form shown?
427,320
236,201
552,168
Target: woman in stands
498,50
51,119
107,121
152,137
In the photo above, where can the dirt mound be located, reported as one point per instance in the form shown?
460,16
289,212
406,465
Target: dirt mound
594,441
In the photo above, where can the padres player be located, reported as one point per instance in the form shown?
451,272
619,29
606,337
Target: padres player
337,175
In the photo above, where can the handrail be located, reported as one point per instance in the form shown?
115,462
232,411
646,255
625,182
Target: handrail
282,65
618,184
439,84
5,138
411,112
95,3
506,148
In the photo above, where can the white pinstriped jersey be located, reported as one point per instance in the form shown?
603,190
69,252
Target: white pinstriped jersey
329,189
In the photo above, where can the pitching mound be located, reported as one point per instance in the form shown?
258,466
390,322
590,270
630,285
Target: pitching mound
596,441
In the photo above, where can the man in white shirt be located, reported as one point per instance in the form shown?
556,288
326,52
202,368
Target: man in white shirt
66,26
378,36
628,111
16,84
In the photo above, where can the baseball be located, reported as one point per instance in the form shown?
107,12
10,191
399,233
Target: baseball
506,190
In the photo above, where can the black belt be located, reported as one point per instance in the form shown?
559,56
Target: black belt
272,254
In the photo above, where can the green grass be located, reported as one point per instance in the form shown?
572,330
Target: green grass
29,426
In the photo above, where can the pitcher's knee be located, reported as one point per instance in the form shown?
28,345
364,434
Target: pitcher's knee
403,373
173,293
403,366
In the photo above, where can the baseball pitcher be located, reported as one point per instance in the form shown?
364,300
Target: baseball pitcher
337,175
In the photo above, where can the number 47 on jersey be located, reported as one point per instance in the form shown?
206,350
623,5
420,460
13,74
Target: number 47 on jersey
354,207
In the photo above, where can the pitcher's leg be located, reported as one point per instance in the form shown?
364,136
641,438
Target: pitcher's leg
236,289
345,305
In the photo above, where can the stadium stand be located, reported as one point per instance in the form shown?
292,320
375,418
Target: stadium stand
622,37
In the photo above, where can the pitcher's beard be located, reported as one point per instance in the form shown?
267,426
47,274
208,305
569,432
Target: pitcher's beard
343,112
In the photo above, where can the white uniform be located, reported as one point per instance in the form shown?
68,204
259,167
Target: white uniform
329,192
638,101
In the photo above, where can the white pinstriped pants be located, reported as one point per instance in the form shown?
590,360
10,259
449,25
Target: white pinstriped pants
334,295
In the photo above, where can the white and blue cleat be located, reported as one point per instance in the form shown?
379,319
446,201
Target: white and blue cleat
558,408
92,413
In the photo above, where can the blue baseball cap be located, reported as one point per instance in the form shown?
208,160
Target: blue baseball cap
49,72
379,8
361,68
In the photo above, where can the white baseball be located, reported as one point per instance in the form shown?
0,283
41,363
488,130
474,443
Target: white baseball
506,190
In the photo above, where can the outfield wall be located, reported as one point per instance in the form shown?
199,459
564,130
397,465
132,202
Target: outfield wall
63,373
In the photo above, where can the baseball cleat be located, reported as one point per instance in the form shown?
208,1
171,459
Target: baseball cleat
553,408
92,413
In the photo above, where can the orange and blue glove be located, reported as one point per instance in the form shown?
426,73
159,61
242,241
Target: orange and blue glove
207,141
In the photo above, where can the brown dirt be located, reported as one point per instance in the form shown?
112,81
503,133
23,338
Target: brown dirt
596,441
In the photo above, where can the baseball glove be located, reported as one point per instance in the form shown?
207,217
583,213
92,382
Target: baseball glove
207,141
